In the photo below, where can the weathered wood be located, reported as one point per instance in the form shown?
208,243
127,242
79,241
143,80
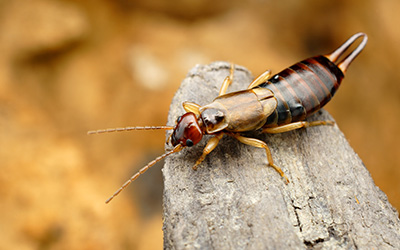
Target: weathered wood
235,201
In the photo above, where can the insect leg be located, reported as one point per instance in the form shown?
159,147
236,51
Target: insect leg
295,125
211,144
191,107
260,79
260,144
228,80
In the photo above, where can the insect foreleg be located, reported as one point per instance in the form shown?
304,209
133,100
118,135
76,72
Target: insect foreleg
191,107
260,144
295,125
211,144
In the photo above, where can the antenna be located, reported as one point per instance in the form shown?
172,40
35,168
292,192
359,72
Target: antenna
176,149
110,130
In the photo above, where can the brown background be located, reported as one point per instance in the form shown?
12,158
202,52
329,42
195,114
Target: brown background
70,66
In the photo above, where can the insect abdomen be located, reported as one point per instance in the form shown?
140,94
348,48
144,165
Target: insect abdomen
302,89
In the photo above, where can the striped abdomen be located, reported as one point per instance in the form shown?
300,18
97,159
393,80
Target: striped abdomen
302,89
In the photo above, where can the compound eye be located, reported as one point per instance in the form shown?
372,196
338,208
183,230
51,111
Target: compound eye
178,119
189,143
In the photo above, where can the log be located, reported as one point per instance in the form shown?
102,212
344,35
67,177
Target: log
235,201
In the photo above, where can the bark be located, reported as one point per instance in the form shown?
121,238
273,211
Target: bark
235,201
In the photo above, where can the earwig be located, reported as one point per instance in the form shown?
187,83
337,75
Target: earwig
274,104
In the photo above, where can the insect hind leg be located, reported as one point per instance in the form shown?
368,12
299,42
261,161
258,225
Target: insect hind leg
229,79
295,125
260,79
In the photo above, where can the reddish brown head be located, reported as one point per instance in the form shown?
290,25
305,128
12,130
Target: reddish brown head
187,131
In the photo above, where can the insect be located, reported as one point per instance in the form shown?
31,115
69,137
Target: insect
274,104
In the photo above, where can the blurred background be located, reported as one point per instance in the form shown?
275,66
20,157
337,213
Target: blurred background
71,66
